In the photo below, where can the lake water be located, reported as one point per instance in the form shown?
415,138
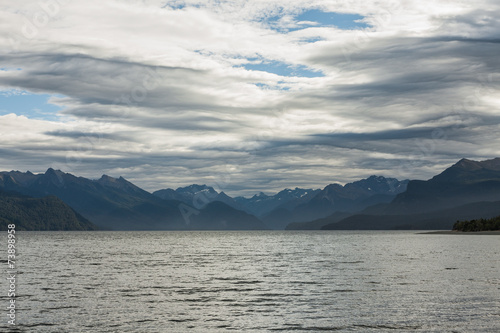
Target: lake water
273,281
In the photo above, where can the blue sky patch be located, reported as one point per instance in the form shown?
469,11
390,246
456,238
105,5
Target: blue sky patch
175,4
316,18
7,69
282,68
268,87
24,103
311,39
326,19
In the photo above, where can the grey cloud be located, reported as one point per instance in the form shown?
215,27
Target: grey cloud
399,134
77,135
102,81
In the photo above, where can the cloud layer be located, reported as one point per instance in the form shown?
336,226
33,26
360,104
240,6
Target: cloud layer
168,93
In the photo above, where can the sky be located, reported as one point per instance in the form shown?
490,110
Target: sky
248,96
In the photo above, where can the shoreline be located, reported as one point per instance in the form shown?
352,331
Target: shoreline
450,232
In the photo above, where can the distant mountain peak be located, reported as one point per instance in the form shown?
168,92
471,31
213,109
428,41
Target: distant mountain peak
378,178
468,164
467,170
195,188
106,178
121,184
334,186
51,171
222,194
492,164
54,177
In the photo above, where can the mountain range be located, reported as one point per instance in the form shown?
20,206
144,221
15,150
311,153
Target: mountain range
462,191
466,190
116,204
288,205
351,197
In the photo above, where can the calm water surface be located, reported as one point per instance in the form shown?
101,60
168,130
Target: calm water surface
255,282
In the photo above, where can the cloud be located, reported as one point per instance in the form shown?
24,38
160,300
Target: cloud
168,93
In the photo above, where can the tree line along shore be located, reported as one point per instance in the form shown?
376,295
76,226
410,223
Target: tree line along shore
492,224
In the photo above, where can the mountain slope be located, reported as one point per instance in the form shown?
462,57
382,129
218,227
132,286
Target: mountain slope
219,216
435,220
465,182
319,223
466,190
194,195
47,213
351,197
261,204
197,196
